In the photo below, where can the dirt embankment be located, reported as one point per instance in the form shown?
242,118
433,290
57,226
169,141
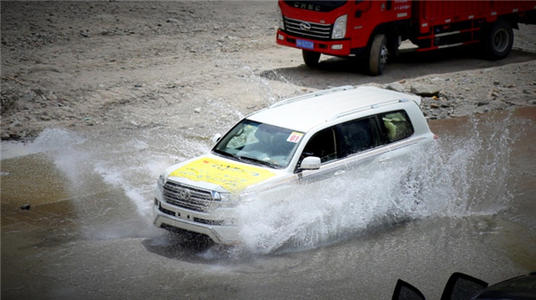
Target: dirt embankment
132,65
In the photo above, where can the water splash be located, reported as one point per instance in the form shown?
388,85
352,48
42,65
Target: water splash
454,177
50,140
457,176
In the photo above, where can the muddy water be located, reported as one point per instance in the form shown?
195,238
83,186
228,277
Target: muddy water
88,233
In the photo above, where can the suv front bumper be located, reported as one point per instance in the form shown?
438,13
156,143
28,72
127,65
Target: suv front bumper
193,221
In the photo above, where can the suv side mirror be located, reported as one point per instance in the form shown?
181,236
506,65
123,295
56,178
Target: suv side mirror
310,163
216,138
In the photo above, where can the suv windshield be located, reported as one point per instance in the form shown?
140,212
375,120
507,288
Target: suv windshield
259,143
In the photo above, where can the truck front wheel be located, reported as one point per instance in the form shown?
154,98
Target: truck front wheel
378,54
499,40
311,58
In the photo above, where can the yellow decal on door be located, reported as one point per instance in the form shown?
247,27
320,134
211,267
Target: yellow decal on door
232,177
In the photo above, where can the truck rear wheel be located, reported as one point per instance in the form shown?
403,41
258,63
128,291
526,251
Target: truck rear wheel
311,58
499,40
378,54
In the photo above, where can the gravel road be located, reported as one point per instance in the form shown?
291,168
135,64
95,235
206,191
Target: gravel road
137,65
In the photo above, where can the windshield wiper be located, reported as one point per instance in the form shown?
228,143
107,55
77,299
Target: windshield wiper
257,161
226,153
247,158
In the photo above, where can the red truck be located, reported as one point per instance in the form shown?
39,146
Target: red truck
374,29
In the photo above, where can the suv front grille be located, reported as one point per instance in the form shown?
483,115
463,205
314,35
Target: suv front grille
315,30
187,197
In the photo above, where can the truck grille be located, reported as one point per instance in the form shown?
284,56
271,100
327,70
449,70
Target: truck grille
308,29
187,197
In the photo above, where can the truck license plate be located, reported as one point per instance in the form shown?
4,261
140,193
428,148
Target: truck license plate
305,44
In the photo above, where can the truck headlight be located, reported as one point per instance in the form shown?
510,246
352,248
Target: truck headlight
339,27
280,18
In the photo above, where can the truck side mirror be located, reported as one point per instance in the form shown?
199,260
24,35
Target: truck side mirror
310,163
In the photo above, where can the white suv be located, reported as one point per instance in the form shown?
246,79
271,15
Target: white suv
302,139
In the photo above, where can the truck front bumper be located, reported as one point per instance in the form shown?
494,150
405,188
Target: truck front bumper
334,47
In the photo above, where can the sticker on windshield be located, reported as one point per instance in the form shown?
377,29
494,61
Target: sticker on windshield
295,137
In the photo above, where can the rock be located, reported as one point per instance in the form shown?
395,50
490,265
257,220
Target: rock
434,106
84,34
424,90
395,86
496,83
172,20
43,68
25,207
197,110
138,85
482,103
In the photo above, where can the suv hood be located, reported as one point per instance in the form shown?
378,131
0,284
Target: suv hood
231,176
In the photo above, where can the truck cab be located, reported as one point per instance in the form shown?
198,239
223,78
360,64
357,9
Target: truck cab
374,29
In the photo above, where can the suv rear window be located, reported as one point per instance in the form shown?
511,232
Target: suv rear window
396,125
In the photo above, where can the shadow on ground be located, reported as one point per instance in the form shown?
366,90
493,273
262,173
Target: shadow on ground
335,71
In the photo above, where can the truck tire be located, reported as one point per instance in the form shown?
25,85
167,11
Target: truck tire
378,54
311,58
499,40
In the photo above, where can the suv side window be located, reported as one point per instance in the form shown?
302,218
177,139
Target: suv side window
322,145
356,136
396,125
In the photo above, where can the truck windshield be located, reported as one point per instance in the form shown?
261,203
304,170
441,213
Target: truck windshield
259,143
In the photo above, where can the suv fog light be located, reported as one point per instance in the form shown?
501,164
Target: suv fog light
280,37
336,47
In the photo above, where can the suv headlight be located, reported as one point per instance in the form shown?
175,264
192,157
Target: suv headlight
224,197
160,183
280,18
339,27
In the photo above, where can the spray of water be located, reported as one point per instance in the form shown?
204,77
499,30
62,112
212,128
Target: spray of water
454,177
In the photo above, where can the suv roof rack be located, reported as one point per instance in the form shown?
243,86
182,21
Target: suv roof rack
311,95
374,106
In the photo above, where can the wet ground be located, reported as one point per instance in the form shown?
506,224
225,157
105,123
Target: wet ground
87,231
